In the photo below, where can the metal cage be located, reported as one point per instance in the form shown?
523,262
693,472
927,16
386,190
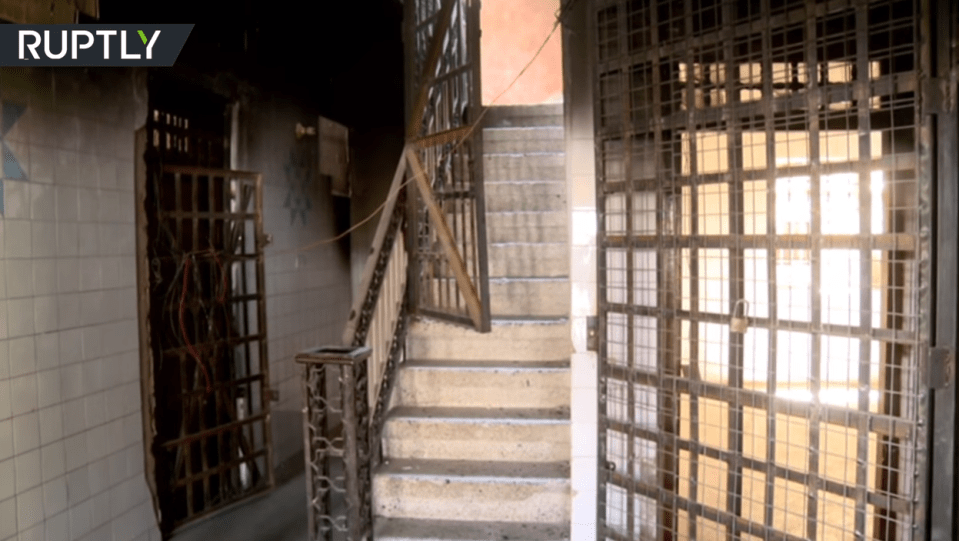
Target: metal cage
771,154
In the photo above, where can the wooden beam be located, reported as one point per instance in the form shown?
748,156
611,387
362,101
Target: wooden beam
199,171
445,237
375,249
443,137
429,68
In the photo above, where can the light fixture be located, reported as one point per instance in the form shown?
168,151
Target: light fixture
302,130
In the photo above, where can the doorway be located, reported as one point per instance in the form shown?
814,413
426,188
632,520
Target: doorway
202,311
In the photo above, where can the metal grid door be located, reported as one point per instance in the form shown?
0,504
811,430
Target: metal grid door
203,311
762,164
442,107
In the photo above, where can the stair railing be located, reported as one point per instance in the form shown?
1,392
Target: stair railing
378,318
347,389
377,327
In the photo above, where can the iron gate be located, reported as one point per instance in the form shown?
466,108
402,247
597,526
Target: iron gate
203,315
767,163
443,104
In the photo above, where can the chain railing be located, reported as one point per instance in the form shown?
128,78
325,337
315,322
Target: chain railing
337,443
347,388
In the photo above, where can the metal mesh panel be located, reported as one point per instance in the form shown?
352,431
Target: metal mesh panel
203,312
760,161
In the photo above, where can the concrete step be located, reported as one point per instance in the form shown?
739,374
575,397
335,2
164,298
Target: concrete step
524,139
474,384
493,434
391,529
516,259
524,166
529,297
529,195
528,226
524,115
533,340
521,492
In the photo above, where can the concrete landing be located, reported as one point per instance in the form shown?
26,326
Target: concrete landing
277,516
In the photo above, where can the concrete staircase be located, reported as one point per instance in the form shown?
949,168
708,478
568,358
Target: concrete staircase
477,441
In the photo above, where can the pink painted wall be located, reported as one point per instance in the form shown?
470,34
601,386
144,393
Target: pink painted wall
512,32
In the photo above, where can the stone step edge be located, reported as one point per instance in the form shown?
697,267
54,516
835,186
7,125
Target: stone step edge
523,182
460,415
487,366
530,212
510,321
545,127
396,529
524,154
537,279
470,471
527,243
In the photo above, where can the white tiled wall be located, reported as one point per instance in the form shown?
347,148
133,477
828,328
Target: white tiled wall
71,451
308,292
580,167
583,362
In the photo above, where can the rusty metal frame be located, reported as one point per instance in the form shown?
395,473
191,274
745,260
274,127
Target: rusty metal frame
662,35
333,436
440,219
448,271
337,434
208,330
940,104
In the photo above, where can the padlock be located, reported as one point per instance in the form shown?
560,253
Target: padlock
740,319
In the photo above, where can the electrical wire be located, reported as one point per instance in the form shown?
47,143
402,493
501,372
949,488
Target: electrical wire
187,259
563,9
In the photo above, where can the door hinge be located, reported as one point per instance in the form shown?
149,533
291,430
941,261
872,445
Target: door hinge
592,333
942,367
273,395
939,95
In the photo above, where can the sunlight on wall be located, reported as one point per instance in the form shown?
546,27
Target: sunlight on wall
512,31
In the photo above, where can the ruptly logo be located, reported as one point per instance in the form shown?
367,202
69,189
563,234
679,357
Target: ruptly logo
91,44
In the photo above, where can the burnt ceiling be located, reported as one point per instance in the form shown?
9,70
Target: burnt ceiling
342,58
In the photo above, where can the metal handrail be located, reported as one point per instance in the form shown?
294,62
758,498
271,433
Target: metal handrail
347,396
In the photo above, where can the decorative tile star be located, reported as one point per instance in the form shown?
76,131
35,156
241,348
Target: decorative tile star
299,170
10,113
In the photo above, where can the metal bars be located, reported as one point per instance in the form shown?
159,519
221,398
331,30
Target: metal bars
443,92
202,258
337,443
945,204
765,153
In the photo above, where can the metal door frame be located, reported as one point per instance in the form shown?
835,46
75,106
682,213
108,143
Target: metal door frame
944,133
223,366
935,129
